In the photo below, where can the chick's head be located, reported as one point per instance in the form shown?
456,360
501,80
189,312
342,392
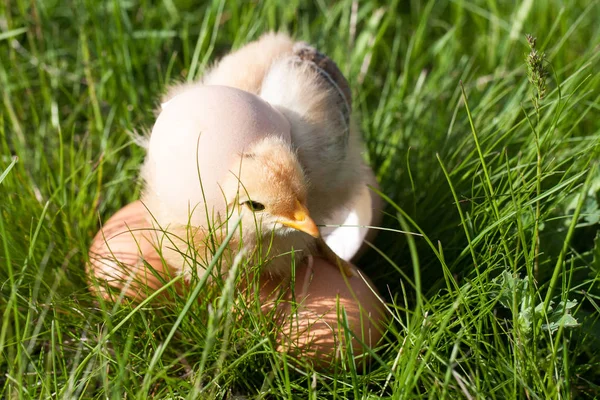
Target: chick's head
268,189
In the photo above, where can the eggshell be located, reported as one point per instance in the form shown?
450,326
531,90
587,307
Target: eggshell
311,331
117,254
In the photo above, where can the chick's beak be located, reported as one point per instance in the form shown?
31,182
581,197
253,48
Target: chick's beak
302,221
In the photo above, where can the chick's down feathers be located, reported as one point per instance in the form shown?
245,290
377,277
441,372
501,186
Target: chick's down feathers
266,137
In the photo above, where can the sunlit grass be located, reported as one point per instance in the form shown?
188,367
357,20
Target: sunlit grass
497,297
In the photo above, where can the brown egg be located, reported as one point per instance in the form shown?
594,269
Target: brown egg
313,328
310,331
117,254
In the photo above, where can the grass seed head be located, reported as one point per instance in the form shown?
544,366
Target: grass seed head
536,70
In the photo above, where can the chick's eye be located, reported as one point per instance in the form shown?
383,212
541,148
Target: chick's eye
254,206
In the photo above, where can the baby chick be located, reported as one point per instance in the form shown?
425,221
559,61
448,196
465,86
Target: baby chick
310,91
267,164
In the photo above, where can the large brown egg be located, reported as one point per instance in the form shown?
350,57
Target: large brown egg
332,317
118,252
309,328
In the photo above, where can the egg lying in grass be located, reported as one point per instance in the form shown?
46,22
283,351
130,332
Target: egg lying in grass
310,327
122,256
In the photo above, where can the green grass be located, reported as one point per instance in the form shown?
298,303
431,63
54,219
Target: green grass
499,297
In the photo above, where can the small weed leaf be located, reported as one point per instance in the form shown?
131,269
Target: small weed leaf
590,214
560,317
512,288
508,284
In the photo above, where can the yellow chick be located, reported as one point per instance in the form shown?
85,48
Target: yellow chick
282,166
